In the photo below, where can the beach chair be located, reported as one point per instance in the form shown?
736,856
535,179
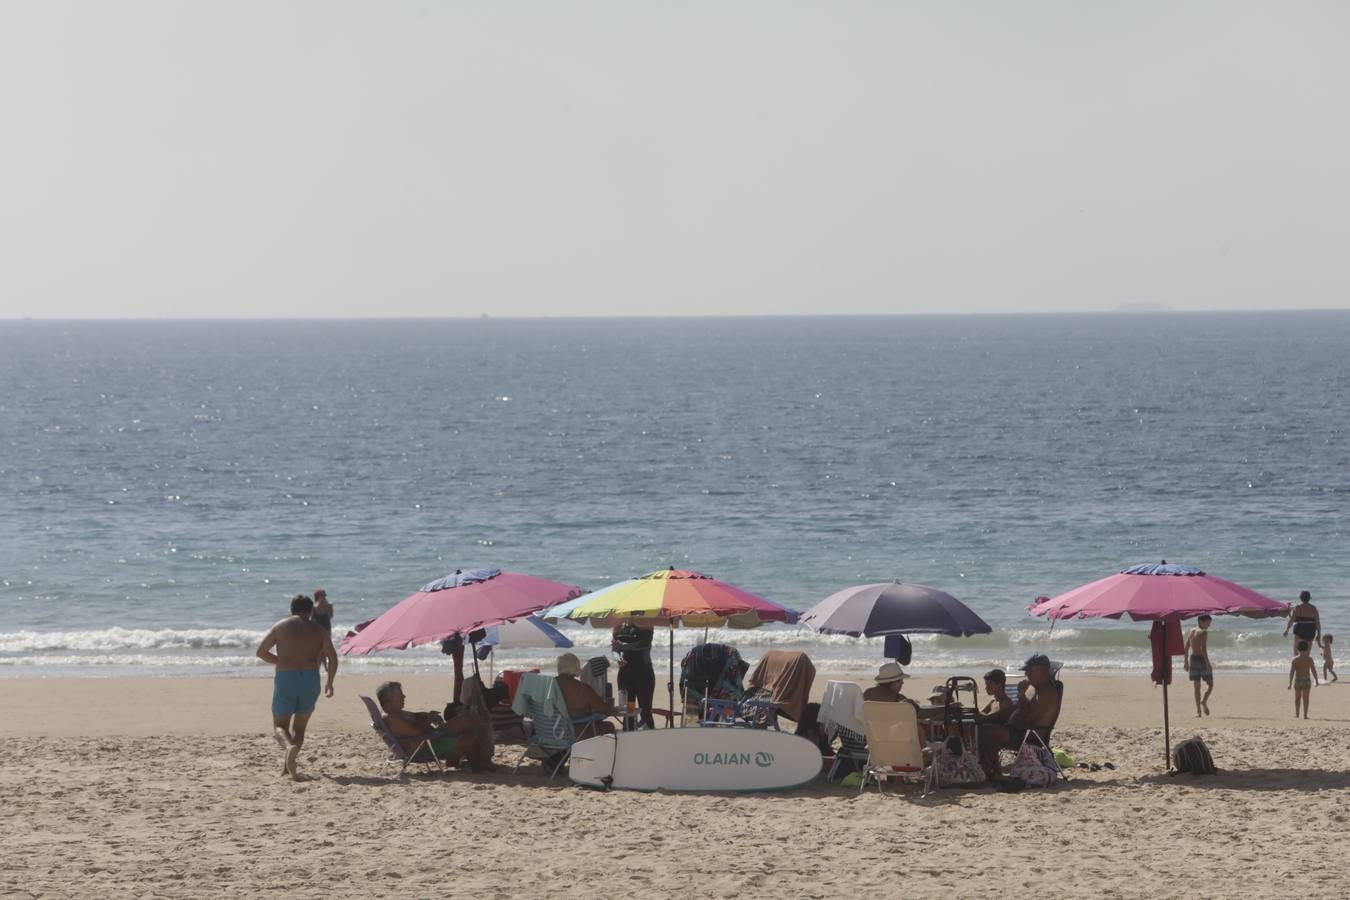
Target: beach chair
841,717
397,755
595,672
893,746
552,732
749,713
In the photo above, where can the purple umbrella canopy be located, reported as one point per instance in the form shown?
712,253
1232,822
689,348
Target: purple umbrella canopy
893,607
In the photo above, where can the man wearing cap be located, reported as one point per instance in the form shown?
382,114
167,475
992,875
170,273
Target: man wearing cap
1036,710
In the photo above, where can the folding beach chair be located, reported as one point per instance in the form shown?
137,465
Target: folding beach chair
540,700
397,754
841,717
893,746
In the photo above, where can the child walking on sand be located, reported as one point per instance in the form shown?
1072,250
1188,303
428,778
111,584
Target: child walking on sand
1302,675
1328,664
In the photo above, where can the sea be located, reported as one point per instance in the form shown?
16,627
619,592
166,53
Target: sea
169,485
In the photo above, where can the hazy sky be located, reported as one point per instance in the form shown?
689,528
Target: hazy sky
221,159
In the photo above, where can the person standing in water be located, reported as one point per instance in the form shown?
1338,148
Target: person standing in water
1198,665
1305,621
323,610
295,645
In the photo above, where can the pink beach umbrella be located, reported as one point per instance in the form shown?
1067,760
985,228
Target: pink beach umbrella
1159,593
456,605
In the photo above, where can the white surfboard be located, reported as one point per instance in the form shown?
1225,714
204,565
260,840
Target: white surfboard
695,759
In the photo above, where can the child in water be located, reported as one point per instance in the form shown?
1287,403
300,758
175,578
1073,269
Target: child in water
1302,675
1328,664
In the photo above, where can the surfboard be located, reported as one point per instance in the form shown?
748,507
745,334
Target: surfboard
695,759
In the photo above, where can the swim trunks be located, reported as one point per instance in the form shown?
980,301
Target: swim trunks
444,746
294,692
1302,682
1199,670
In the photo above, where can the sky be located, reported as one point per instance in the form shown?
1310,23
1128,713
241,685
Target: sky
257,159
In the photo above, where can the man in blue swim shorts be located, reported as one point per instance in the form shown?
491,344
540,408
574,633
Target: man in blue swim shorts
296,645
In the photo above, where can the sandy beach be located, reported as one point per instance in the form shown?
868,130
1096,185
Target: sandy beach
171,787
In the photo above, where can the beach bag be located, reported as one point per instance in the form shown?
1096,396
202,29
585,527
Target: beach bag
955,763
1193,756
1034,766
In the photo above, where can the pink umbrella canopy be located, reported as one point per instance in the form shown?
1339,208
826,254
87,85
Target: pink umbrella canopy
1158,593
457,604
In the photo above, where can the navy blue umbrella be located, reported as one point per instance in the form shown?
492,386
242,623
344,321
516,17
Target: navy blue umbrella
893,607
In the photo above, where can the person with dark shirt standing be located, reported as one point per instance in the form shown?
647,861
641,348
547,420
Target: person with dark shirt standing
323,610
636,677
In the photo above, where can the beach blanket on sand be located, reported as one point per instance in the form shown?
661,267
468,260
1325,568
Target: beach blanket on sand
787,676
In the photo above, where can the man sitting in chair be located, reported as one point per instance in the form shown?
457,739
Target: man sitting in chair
1036,709
451,741
889,681
581,700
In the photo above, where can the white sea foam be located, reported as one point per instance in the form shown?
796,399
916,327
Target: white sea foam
230,649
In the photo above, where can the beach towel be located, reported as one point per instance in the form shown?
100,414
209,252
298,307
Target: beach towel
713,671
842,705
1167,642
787,676
472,695
544,689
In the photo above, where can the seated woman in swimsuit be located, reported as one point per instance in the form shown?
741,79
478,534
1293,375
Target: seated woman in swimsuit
1036,710
581,699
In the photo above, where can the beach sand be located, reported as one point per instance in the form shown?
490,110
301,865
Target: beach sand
171,787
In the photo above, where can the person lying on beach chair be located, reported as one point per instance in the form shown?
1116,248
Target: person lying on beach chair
1037,709
586,708
453,741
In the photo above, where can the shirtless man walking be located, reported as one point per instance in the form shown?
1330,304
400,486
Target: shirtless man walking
1198,666
295,645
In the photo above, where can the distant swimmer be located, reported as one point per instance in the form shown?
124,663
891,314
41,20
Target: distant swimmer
295,645
1305,621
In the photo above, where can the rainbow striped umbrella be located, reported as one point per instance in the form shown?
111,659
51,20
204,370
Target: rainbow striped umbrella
671,597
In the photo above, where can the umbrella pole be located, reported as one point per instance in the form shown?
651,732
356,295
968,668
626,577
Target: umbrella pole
670,679
1167,735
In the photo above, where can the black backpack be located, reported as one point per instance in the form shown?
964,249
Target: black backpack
1193,756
